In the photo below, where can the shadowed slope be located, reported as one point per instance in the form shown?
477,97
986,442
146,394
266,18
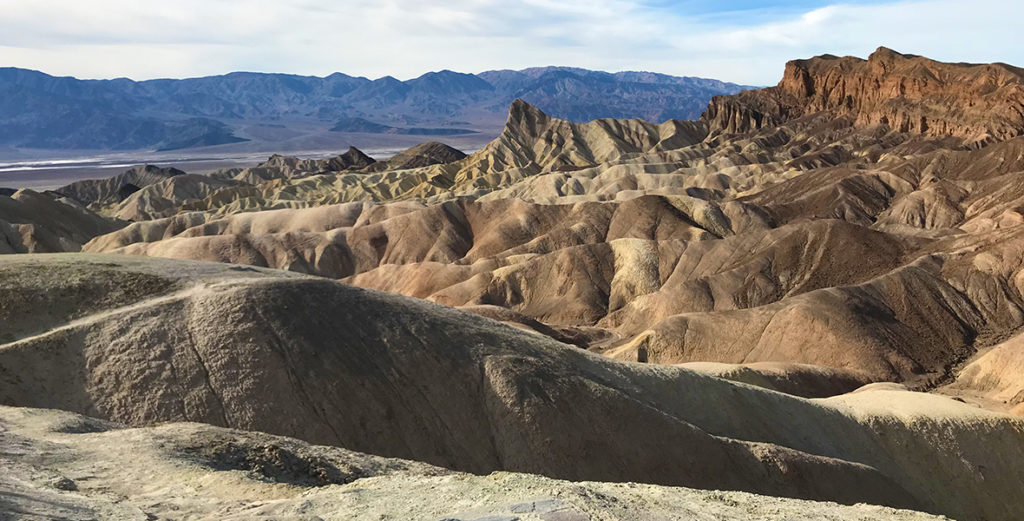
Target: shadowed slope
31,222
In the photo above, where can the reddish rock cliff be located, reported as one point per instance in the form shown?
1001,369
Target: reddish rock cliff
979,103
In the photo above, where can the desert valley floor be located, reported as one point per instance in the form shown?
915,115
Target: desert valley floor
807,304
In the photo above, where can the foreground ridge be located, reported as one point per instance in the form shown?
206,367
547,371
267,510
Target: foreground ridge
399,377
188,469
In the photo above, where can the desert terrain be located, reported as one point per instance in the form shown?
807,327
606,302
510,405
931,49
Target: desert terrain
806,304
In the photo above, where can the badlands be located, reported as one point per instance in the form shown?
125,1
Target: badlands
807,304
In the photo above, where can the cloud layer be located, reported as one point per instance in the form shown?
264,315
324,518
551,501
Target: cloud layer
404,38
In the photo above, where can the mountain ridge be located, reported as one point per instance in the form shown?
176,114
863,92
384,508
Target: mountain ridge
43,111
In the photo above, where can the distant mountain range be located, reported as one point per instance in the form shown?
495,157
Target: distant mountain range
47,112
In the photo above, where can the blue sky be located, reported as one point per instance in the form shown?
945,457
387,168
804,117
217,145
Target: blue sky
741,41
750,11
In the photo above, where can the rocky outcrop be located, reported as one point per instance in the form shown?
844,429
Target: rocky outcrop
979,104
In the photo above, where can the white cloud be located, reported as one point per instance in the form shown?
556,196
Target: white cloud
404,38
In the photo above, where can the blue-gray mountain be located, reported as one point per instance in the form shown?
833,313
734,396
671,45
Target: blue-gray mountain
42,111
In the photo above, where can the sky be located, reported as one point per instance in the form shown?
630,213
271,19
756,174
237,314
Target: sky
743,41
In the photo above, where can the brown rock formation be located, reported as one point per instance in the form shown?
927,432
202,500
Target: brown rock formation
979,104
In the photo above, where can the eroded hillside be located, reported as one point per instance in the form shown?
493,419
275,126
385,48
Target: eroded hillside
804,223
